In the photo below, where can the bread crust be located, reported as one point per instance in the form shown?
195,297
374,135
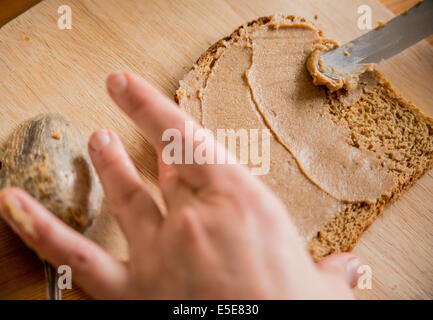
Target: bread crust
342,232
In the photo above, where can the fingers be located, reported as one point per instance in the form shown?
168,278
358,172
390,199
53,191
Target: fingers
146,106
92,268
125,190
344,265
168,177
154,113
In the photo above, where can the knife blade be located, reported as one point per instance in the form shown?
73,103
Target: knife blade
379,44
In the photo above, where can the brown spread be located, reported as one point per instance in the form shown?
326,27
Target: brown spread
260,80
340,79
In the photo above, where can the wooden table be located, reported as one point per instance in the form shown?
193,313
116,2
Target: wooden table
20,270
11,9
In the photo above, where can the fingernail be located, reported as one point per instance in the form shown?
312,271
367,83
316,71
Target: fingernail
352,268
100,139
117,82
20,219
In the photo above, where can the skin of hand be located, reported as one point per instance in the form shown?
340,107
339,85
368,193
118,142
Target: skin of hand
225,235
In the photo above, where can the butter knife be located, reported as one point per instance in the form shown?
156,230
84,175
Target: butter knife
379,44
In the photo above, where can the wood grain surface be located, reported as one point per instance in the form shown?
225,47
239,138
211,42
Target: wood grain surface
47,69
400,6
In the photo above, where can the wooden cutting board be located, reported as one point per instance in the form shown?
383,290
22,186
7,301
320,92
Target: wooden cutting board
44,68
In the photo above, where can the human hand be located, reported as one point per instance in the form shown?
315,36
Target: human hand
226,235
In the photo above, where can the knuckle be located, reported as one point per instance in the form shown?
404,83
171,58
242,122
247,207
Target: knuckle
187,222
125,197
184,217
254,204
81,257
241,206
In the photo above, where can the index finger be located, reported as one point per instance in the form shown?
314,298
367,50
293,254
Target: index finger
152,111
155,114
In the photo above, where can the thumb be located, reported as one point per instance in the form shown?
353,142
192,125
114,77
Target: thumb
344,265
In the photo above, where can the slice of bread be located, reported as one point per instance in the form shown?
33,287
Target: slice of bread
376,118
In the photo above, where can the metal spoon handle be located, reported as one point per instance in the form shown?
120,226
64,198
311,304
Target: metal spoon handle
51,278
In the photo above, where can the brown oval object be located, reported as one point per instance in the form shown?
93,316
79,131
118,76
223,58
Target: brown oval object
47,157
